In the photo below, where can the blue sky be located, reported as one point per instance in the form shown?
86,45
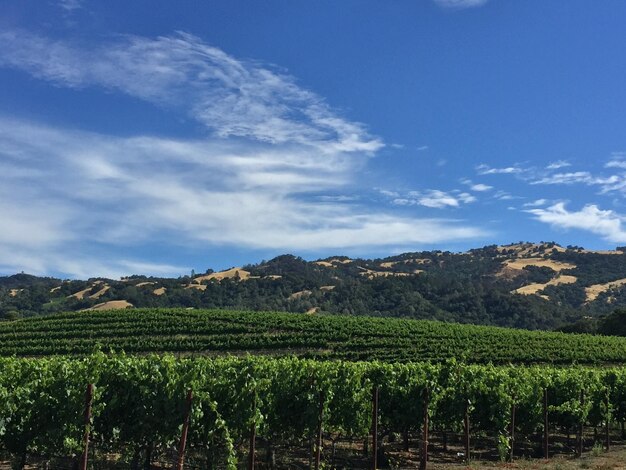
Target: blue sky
156,137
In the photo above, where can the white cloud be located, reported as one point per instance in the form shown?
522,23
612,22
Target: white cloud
388,193
460,4
558,164
437,199
232,97
70,5
340,198
80,265
466,198
616,164
504,196
432,198
478,187
481,187
566,178
487,170
90,189
607,184
605,223
536,203
279,170
617,160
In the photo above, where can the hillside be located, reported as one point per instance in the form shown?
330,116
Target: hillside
524,285
211,332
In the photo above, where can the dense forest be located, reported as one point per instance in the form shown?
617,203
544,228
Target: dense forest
533,286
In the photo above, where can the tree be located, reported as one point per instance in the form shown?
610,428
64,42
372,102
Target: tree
613,324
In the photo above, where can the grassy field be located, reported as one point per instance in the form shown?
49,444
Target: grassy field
319,336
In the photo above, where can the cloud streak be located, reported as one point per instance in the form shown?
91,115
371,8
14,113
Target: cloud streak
125,191
431,198
460,4
231,97
509,170
606,223
278,170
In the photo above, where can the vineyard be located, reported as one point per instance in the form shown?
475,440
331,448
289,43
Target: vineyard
307,399
214,332
218,412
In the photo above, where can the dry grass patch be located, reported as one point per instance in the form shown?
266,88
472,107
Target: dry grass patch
80,295
521,263
372,274
159,291
110,305
535,288
603,252
526,249
100,293
592,292
390,264
332,263
326,264
234,273
300,294
196,286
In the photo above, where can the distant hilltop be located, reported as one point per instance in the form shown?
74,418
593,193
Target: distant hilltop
527,285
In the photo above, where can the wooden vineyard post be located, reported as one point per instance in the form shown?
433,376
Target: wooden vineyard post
546,452
180,461
424,459
581,443
318,444
252,453
87,420
374,427
607,427
512,436
466,426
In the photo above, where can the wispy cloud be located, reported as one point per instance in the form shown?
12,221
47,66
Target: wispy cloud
460,4
432,198
279,170
484,169
616,164
606,223
478,187
70,5
558,164
607,184
536,203
481,187
504,196
232,97
124,191
617,160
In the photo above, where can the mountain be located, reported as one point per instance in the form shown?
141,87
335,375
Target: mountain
523,285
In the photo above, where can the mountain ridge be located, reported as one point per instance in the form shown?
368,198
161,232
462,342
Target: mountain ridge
525,285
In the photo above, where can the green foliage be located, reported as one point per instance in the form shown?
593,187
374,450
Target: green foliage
279,334
472,287
321,336
613,324
140,401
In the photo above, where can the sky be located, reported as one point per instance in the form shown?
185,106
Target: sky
154,137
